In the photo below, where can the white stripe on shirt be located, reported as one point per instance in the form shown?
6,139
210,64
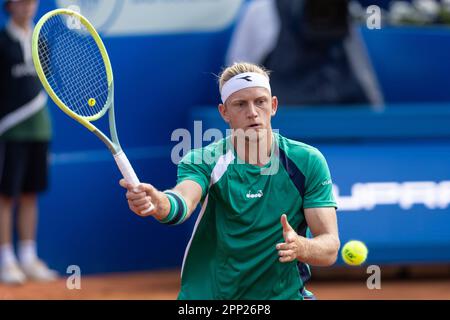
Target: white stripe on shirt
24,112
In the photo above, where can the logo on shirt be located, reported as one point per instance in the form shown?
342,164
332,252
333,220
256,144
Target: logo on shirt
327,182
251,195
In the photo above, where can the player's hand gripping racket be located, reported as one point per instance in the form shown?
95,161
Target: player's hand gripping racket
74,68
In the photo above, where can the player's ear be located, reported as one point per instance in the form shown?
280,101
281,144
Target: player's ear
223,112
274,105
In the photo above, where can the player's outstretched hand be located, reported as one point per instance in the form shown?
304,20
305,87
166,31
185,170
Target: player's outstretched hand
142,196
291,249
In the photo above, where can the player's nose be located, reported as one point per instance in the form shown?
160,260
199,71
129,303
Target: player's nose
252,111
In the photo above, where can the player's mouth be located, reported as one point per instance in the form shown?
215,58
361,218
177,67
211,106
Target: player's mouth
255,126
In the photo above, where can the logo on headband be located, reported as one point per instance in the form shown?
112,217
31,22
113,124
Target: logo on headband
246,78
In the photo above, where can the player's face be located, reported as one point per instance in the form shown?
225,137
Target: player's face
250,110
24,10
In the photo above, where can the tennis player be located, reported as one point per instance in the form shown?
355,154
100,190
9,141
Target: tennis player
249,241
25,132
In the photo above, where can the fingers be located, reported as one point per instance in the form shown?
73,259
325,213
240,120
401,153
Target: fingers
123,183
135,196
139,192
147,188
284,222
287,256
144,207
287,252
286,246
140,197
140,202
143,202
139,209
290,237
142,187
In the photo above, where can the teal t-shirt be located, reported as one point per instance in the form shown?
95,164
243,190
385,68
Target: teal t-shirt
232,253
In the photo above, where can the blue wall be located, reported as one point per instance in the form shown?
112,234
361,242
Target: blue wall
410,62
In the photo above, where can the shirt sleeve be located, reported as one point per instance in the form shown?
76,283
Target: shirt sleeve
319,185
193,168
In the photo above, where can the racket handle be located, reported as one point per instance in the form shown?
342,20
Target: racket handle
128,173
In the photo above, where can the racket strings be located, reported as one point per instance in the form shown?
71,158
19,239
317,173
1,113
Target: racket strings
73,66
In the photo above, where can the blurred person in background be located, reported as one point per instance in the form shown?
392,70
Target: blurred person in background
25,132
310,49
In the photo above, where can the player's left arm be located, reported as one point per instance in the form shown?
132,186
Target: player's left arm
322,249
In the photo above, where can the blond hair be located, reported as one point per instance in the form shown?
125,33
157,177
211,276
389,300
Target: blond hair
238,68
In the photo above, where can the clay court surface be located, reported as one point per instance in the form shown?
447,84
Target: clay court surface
164,286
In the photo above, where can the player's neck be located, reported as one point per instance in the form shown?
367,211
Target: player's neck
256,151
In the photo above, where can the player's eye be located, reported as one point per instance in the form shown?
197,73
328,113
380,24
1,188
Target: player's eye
260,102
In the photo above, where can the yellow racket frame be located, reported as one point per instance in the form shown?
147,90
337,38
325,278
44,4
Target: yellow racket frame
85,121
113,143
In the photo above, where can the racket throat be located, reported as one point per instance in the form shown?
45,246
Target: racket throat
113,147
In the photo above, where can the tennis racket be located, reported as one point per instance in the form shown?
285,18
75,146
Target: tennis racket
74,68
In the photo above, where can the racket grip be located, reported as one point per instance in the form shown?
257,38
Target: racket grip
126,169
128,173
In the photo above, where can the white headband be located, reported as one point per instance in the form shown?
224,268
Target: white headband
244,81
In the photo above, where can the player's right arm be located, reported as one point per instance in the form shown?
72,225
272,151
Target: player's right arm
140,197
192,185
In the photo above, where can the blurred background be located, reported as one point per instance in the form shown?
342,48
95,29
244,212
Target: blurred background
368,86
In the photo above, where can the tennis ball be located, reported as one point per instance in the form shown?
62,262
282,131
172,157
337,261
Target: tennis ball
92,102
354,253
